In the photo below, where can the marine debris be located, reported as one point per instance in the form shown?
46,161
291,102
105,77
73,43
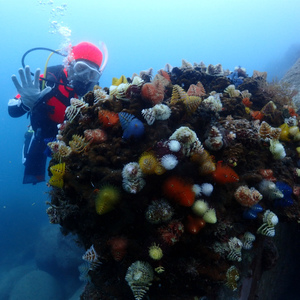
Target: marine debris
172,179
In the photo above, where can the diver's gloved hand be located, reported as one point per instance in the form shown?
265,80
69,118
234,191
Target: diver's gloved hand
29,90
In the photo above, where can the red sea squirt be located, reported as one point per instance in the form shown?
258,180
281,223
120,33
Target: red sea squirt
224,174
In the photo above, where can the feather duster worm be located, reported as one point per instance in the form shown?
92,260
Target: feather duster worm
180,191
194,224
196,90
153,92
95,136
108,118
247,196
107,199
132,127
58,171
224,174
118,247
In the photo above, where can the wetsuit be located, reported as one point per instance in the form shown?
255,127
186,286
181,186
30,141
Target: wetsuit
45,115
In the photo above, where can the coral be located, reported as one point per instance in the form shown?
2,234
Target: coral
107,198
215,140
188,139
139,277
95,136
186,188
108,118
155,252
118,247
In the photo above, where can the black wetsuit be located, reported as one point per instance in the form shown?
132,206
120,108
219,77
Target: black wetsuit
47,113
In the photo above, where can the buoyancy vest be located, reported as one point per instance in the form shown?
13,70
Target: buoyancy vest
50,110
60,95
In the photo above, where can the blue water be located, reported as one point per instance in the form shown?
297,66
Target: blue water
257,35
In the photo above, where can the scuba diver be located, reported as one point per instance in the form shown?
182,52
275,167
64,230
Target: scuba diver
46,97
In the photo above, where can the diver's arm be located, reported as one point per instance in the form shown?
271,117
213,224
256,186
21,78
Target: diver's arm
16,108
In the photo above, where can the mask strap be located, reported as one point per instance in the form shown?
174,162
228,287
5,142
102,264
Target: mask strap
105,52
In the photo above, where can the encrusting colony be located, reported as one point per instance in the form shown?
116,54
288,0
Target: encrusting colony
169,181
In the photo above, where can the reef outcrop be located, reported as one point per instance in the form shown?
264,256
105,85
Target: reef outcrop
179,171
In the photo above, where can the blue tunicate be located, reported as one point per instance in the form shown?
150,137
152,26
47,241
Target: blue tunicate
287,191
135,129
251,213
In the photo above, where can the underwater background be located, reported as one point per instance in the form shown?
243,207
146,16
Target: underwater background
256,35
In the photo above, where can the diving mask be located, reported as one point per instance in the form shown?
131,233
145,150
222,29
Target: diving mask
86,72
